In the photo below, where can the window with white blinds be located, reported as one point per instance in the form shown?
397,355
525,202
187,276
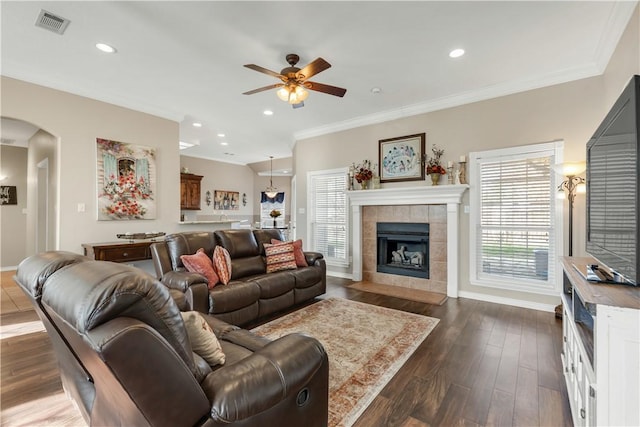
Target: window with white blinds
513,218
329,215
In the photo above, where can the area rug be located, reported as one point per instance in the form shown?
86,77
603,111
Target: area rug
366,345
400,292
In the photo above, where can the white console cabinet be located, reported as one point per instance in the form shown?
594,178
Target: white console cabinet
601,349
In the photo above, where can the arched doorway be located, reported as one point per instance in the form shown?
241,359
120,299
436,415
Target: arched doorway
29,162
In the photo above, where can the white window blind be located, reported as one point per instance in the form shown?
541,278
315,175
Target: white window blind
513,219
328,215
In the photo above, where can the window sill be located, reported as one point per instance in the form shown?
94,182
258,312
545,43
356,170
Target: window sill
514,285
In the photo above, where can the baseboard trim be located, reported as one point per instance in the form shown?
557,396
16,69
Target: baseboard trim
340,275
508,301
10,268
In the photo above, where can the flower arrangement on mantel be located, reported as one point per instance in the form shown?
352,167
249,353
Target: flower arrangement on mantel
433,164
363,172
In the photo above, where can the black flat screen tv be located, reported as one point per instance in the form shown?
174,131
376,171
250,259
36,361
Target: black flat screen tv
613,191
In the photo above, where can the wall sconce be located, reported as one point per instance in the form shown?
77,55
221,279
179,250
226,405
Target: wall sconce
207,198
244,199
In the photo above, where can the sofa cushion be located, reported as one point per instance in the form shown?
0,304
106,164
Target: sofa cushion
240,243
266,235
301,261
89,294
203,341
306,277
222,264
202,264
279,257
187,243
246,267
234,296
276,284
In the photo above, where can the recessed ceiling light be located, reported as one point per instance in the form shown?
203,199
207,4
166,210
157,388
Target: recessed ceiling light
106,48
267,113
456,53
375,90
185,145
224,143
221,135
197,124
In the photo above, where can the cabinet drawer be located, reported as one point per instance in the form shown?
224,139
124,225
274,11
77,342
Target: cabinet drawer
122,254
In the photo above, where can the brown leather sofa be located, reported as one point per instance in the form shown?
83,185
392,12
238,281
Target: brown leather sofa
125,357
252,293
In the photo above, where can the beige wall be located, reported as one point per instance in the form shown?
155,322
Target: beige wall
13,222
570,111
76,122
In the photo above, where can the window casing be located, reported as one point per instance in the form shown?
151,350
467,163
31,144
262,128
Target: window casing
515,226
328,219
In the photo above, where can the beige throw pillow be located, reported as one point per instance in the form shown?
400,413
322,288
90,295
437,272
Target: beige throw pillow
203,341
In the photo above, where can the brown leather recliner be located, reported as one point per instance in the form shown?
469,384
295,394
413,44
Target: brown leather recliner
252,293
125,356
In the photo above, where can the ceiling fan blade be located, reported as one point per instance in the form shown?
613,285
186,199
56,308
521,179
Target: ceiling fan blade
313,68
320,87
264,70
262,89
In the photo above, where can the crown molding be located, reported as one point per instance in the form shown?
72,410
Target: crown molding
490,92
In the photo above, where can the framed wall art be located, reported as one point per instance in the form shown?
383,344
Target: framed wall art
226,200
126,181
401,158
8,195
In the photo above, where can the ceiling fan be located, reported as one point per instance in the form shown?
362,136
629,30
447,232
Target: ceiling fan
294,81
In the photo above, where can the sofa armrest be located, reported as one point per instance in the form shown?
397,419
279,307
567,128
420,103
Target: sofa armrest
277,371
312,257
182,280
193,286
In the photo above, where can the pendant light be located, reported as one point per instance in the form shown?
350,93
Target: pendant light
271,191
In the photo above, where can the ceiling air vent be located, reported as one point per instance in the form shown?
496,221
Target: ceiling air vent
51,22
7,141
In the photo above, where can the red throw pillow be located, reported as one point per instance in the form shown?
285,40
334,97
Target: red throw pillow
200,263
280,257
222,264
301,261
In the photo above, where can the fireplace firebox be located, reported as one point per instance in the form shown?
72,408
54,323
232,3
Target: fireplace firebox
403,248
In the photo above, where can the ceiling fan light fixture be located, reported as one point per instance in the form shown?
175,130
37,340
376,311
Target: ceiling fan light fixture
283,93
298,95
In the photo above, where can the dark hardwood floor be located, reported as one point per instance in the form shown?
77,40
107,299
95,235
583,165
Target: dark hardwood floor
483,365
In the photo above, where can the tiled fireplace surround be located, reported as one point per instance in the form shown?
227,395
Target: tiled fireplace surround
435,216
436,205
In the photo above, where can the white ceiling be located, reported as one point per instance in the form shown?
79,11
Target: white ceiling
184,60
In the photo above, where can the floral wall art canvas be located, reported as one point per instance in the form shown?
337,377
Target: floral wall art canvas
126,181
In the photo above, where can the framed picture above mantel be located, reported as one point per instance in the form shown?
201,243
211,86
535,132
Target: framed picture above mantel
401,158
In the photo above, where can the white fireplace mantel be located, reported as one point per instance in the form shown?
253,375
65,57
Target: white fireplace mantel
450,195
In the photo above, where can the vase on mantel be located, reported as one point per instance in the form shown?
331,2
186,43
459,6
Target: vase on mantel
435,177
365,184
